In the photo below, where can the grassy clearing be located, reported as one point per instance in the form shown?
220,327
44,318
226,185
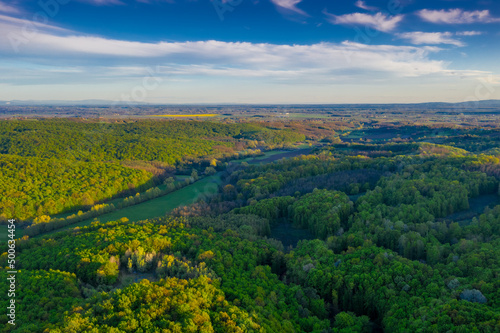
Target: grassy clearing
148,209
273,155
4,233
161,205
261,157
277,155
355,135
116,201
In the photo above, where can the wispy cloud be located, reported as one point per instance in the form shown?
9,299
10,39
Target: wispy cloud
362,4
430,38
469,33
58,60
321,61
12,25
378,21
457,16
289,5
9,9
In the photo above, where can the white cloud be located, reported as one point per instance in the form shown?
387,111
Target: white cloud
469,33
419,38
379,21
25,27
325,60
222,58
9,9
457,16
290,5
362,4
55,59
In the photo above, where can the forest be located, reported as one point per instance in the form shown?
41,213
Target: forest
171,142
397,232
51,166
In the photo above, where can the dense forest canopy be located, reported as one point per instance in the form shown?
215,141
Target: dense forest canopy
33,186
399,230
148,140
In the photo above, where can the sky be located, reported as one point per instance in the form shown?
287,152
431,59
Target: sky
250,51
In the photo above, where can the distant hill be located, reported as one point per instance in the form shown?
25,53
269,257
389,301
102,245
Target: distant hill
465,106
483,103
68,103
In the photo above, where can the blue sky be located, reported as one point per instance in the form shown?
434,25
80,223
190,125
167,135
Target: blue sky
250,51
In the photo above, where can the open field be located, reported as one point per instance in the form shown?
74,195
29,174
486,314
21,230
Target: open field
148,209
119,200
279,155
274,155
161,205
4,233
